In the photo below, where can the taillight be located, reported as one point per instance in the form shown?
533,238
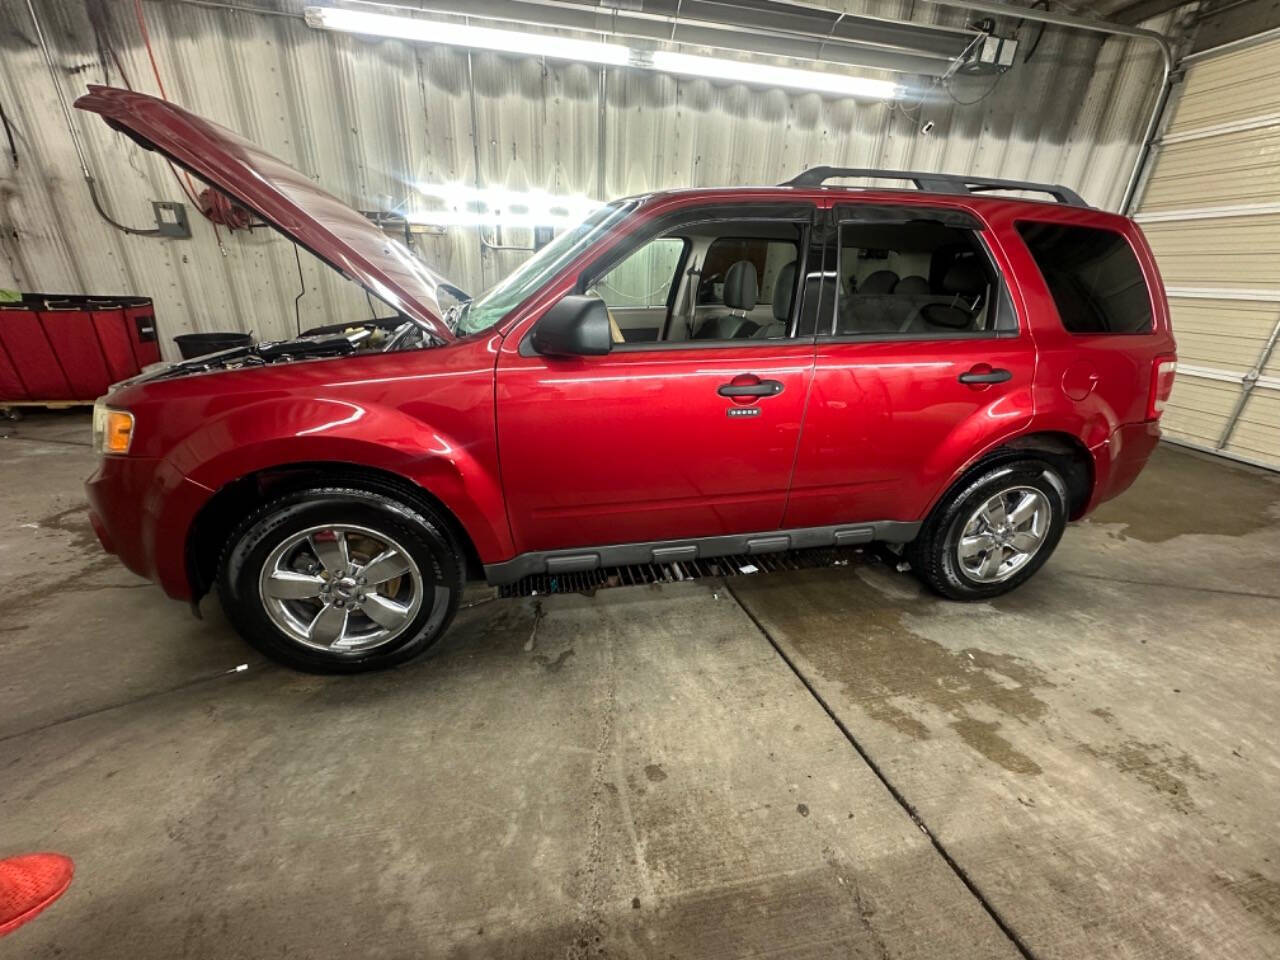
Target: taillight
1163,369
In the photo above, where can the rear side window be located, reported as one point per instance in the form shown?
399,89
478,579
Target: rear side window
1093,275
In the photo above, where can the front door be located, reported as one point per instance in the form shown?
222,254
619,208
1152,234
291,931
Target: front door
922,363
677,433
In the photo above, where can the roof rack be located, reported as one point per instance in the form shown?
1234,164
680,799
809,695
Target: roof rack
937,182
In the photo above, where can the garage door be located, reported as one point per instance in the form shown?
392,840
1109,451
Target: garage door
1211,210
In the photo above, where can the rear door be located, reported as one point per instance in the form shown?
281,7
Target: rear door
663,438
920,364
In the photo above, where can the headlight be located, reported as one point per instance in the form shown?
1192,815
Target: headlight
112,429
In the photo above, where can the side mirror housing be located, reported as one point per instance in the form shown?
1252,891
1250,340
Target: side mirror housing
577,326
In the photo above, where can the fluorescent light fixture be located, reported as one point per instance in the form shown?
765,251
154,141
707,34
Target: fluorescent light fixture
464,35
589,51
466,205
767,75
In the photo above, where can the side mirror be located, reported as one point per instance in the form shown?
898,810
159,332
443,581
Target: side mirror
577,326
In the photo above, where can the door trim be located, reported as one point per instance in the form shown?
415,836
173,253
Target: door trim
694,548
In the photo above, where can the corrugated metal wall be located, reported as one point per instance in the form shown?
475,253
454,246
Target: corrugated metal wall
368,118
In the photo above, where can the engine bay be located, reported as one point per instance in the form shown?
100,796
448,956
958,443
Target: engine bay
376,335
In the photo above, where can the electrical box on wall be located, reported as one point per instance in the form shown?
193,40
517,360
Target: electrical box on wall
171,219
990,55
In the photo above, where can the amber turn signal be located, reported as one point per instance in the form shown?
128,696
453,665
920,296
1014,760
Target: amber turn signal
112,429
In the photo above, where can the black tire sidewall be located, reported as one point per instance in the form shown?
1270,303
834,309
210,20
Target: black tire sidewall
413,527
943,571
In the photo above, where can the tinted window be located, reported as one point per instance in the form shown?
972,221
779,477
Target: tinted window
918,278
1093,275
767,256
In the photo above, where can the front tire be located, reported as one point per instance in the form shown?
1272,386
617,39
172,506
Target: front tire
992,533
341,580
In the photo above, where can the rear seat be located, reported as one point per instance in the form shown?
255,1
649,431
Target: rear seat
899,309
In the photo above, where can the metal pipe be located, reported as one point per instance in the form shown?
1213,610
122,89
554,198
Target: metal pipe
1248,382
1073,22
57,89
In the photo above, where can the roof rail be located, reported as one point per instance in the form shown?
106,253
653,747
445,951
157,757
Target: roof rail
936,182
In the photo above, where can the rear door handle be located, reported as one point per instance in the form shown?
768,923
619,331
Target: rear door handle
761,388
985,376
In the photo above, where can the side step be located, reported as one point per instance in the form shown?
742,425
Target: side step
666,552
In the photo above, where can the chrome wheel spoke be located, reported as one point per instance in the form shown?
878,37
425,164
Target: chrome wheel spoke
994,512
385,566
1025,542
973,546
330,547
1025,510
291,585
329,627
991,563
384,612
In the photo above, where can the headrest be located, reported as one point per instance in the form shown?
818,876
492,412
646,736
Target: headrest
740,286
965,276
882,281
784,288
914,286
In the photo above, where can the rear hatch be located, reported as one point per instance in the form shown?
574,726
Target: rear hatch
285,198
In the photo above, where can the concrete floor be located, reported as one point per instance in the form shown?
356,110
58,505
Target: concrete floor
812,764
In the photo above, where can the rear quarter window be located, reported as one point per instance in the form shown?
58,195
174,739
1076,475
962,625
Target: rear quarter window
1093,276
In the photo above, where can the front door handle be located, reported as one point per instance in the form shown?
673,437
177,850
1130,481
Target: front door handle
752,388
986,375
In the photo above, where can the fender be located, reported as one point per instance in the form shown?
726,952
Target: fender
287,430
987,429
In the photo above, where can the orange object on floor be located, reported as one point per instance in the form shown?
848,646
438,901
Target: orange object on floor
30,883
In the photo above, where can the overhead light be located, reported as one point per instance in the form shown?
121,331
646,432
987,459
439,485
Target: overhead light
767,75
464,35
589,51
466,205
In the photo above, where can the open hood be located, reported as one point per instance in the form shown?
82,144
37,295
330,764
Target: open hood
289,201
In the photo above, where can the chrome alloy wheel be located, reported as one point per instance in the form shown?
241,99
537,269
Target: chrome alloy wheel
1003,534
342,588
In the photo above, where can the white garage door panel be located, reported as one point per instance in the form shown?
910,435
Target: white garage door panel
1222,333
1239,252
1198,409
1221,149
1232,168
1227,89
1257,434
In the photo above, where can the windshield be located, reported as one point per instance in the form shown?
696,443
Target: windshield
490,307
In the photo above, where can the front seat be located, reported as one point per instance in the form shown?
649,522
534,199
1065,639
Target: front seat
740,290
880,282
784,292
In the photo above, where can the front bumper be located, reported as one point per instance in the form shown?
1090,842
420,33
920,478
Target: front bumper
142,510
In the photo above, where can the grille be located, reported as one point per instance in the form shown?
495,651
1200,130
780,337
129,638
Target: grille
589,581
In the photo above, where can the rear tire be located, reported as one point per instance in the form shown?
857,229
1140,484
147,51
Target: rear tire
341,580
993,532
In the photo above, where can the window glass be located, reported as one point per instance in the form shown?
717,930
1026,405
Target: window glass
767,256
645,278
487,309
1093,275
916,278
713,280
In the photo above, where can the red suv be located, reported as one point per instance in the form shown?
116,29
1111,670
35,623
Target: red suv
685,374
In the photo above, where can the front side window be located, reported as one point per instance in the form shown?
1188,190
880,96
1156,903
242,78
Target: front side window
916,278
708,280
491,306
1093,276
645,279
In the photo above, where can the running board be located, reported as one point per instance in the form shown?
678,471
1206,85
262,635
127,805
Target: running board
698,548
